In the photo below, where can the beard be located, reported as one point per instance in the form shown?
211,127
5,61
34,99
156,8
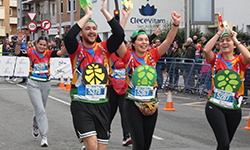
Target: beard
88,41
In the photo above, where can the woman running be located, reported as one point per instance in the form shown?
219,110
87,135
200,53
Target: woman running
141,78
224,101
39,82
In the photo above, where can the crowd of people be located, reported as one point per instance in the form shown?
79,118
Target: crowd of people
110,74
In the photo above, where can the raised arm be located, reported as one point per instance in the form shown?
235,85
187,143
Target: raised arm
71,42
122,49
61,52
117,38
208,53
20,38
171,35
105,12
155,34
244,51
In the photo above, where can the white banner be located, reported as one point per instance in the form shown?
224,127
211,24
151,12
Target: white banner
22,67
7,64
60,67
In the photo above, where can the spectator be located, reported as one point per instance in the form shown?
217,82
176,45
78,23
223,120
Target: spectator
175,53
53,45
184,48
159,66
190,54
6,46
204,41
58,41
30,46
14,39
217,48
195,39
198,48
157,42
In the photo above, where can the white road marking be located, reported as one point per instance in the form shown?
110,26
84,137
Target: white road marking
157,137
61,101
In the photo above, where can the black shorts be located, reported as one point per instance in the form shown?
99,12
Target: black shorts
91,119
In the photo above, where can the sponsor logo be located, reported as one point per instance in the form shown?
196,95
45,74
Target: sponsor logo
147,20
61,62
147,10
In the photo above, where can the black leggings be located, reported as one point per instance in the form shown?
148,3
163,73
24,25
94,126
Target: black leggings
224,123
115,101
141,127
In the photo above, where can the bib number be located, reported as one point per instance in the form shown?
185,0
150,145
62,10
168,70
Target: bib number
223,95
143,92
120,74
40,68
95,92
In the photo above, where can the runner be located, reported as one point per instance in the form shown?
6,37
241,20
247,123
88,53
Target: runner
117,89
224,101
141,98
89,107
39,82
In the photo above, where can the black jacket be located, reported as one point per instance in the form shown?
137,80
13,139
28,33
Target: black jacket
190,51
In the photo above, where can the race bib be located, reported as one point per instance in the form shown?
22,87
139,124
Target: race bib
40,68
223,95
143,91
94,77
119,74
95,92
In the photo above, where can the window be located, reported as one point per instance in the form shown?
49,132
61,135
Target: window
10,29
1,22
61,6
74,5
53,10
1,2
10,11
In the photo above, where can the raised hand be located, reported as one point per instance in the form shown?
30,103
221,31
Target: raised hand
176,17
20,37
88,11
157,31
125,12
104,5
220,29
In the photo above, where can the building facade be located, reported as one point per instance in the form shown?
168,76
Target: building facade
146,14
8,18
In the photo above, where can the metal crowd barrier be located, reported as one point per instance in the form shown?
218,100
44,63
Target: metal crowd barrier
187,75
247,84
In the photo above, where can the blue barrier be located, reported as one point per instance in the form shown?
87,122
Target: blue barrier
187,75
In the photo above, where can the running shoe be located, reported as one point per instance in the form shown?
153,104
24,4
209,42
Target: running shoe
83,148
44,142
35,131
127,140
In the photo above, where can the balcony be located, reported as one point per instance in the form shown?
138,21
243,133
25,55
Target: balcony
2,12
41,17
2,31
13,20
13,3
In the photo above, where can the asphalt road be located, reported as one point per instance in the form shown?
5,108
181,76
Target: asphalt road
184,129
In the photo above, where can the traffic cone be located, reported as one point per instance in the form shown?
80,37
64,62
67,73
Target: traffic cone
68,85
61,85
248,124
169,103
